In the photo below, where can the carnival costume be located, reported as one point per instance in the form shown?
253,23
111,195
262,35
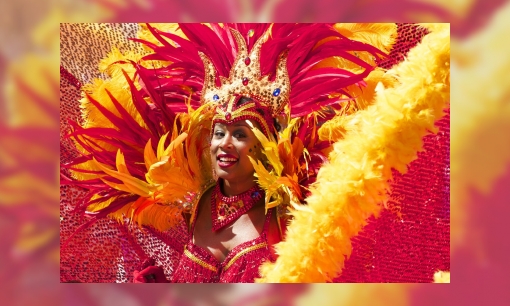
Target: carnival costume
333,125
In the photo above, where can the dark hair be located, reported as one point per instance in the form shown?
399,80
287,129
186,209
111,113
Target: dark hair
243,100
277,126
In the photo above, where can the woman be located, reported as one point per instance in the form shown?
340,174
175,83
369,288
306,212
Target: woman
227,125
230,233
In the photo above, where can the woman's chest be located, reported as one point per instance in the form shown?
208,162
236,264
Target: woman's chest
220,243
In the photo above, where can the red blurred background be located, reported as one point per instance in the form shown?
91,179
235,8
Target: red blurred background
480,151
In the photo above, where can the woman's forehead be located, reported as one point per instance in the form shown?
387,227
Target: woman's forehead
241,123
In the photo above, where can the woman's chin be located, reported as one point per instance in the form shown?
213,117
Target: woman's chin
234,176
225,174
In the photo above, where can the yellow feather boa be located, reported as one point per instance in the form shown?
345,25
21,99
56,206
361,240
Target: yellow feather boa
352,187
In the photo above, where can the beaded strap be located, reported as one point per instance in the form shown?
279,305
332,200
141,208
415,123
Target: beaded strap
199,261
247,250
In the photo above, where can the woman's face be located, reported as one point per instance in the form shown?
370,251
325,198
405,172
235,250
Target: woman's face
230,147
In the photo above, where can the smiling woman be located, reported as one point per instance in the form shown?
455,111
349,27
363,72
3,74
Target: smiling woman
231,235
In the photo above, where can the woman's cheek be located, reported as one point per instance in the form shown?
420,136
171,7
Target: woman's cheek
212,152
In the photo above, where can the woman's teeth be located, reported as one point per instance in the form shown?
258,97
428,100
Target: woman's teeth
227,159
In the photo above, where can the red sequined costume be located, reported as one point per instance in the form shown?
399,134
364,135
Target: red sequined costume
241,265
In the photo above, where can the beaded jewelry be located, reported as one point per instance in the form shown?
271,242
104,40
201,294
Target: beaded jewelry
225,210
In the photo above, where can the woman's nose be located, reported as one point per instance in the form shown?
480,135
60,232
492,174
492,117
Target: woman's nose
227,142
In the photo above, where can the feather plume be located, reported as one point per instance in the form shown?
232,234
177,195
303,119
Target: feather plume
142,141
353,185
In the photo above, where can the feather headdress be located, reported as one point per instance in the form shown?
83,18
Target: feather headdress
142,147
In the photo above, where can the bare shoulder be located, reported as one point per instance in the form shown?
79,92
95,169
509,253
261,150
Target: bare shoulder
202,205
205,200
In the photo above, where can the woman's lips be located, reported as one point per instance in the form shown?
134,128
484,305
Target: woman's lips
226,160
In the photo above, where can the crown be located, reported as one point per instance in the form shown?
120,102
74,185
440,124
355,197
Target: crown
245,78
232,111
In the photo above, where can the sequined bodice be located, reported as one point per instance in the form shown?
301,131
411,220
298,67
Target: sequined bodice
241,265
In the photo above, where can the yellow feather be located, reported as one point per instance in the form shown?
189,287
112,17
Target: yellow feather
286,133
160,217
148,155
118,87
121,187
161,146
120,162
82,176
132,183
145,34
351,187
177,141
270,150
99,205
380,35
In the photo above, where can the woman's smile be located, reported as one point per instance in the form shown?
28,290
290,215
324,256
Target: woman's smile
226,160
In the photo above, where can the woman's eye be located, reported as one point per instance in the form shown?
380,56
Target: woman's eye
219,134
239,135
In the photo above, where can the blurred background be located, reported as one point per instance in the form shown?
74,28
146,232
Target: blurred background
29,150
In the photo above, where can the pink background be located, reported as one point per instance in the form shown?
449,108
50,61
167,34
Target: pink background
480,152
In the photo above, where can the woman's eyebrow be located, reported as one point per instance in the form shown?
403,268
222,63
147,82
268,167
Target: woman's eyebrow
241,128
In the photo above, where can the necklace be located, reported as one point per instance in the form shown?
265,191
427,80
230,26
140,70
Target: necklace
226,210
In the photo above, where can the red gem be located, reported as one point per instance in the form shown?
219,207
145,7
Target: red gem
245,81
247,61
228,116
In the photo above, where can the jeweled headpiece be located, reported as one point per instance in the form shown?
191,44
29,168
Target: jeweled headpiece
245,78
233,110
269,98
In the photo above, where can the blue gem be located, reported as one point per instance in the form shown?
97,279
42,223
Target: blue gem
255,194
276,92
216,97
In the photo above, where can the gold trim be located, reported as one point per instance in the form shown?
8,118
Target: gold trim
199,261
252,248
